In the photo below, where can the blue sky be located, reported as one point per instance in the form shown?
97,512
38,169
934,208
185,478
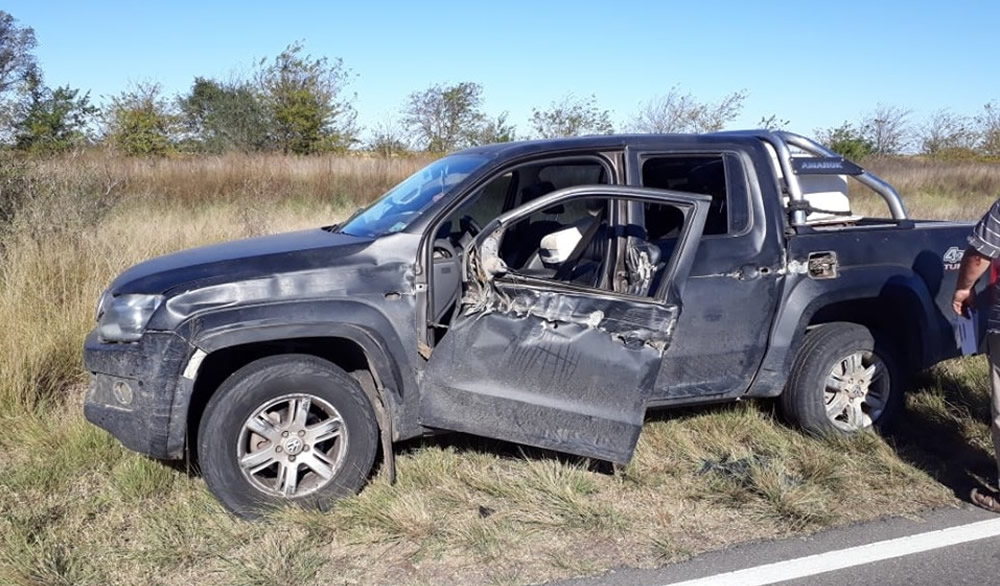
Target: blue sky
814,64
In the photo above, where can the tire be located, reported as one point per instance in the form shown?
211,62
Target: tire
302,428
826,391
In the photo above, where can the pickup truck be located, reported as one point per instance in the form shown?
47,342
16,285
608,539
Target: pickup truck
547,293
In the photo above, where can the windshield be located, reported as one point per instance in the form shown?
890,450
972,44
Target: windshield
404,203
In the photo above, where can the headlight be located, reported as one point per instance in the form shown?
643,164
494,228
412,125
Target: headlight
102,301
124,318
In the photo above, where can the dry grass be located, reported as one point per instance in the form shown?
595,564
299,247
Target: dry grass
952,179
76,508
935,190
266,178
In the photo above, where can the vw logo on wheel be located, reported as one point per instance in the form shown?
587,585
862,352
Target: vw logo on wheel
293,446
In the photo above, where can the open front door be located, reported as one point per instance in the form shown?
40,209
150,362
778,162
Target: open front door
542,355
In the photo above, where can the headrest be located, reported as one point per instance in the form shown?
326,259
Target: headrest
536,190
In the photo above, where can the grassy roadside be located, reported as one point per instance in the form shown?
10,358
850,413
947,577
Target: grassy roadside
75,508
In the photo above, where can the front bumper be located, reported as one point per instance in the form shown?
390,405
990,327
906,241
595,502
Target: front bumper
133,388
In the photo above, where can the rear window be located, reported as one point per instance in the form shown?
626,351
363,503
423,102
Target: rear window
705,174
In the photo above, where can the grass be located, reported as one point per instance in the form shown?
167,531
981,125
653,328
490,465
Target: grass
934,190
77,508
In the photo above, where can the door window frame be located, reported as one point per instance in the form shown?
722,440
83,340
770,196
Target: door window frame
610,159
737,188
667,291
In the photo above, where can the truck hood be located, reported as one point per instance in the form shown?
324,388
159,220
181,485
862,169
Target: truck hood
239,261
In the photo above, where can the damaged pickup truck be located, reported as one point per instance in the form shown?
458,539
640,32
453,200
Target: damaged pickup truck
547,293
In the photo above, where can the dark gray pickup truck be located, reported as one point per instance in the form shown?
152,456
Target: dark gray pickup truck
547,293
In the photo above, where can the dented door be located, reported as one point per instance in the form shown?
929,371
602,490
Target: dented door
549,364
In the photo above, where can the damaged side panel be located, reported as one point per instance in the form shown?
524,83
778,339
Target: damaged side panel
551,364
556,370
629,322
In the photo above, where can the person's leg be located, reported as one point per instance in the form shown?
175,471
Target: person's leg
985,499
993,345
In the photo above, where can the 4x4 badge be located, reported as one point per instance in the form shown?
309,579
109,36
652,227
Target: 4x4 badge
953,258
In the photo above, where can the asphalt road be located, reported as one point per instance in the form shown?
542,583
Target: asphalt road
975,561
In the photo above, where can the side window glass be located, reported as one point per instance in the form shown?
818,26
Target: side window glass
705,174
489,203
562,176
478,211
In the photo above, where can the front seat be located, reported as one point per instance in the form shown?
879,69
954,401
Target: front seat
574,253
523,239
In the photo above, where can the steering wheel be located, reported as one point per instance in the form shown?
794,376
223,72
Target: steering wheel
469,226
443,250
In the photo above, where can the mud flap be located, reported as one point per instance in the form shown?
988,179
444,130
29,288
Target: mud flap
367,382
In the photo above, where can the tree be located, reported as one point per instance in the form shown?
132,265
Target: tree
680,112
947,134
494,130
988,123
139,121
54,120
772,122
571,116
17,62
847,140
388,139
17,66
306,102
225,116
887,128
715,116
445,118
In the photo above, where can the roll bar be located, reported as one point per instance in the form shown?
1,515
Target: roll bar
781,140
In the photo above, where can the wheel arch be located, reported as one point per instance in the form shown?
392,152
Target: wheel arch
376,360
894,302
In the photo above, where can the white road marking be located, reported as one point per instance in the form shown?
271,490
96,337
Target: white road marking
850,557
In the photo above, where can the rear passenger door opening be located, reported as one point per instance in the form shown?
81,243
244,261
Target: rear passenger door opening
734,282
560,350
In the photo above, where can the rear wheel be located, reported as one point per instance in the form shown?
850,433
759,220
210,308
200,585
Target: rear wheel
844,380
286,429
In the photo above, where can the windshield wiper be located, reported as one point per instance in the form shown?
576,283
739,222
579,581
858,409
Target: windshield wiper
336,227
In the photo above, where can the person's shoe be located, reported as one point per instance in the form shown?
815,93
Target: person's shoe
986,499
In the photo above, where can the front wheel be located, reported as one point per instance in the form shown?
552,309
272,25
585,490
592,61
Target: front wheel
843,380
286,429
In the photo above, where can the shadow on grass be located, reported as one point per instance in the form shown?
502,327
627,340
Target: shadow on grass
465,443
462,443
928,438
931,437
